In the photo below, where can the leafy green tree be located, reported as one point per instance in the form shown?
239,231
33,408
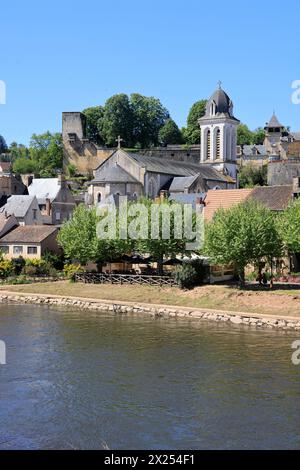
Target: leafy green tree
170,133
24,165
258,136
160,246
242,235
18,151
46,150
149,116
117,120
191,133
244,135
289,227
3,146
94,118
250,176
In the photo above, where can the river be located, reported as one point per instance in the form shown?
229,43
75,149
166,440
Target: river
83,380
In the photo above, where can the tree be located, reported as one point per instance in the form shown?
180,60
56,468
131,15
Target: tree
250,176
160,246
170,133
244,135
94,118
149,116
18,151
289,227
24,165
77,236
259,136
117,120
46,151
244,234
191,133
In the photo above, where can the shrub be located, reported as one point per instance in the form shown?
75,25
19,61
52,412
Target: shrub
18,265
186,276
71,269
36,267
56,261
6,268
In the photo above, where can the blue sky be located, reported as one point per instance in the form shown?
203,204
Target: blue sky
67,55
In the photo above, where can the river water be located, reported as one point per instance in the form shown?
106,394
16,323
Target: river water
82,380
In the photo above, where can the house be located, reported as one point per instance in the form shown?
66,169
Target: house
5,167
10,184
275,198
54,197
29,241
24,208
132,174
7,223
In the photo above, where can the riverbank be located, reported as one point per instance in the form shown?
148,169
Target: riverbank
218,303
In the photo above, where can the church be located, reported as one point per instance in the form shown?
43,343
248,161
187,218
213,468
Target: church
135,174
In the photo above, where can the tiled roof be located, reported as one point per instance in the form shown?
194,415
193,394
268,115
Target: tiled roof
225,198
4,220
29,234
275,198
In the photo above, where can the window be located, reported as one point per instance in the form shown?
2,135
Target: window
57,215
218,144
5,249
99,198
208,145
17,250
34,213
31,250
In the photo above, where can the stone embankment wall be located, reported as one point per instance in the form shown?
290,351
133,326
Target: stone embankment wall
124,308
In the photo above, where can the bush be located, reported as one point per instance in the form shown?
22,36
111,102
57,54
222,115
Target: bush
6,268
56,261
37,267
18,265
71,269
186,276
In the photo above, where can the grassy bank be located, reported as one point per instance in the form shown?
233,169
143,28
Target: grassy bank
278,302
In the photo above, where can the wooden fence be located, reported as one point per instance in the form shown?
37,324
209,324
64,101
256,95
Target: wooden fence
141,279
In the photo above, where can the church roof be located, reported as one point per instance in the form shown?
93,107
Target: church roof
176,168
113,174
274,122
223,105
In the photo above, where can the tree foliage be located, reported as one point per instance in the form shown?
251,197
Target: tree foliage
289,227
250,176
191,133
244,234
94,117
170,134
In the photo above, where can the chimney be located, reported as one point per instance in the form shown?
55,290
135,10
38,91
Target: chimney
48,207
296,185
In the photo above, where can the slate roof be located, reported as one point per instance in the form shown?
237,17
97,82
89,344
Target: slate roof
187,198
222,103
4,221
113,174
296,135
274,122
180,183
176,168
44,188
28,234
18,205
275,198
248,150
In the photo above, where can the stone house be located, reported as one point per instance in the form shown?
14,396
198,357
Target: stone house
29,242
24,208
54,197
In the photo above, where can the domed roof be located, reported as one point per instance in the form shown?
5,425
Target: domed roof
3,145
221,102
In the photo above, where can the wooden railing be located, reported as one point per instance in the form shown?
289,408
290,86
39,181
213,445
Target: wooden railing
142,279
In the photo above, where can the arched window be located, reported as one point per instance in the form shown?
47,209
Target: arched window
99,197
208,145
218,144
152,189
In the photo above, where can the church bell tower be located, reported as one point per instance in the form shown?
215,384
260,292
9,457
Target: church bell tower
219,134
